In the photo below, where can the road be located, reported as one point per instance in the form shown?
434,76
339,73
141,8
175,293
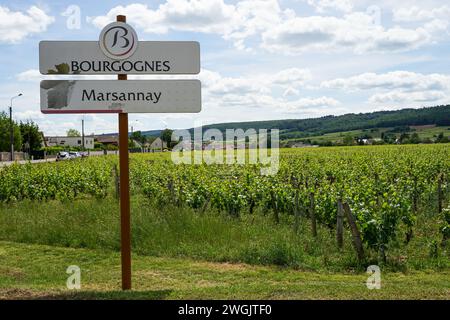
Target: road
8,163
91,154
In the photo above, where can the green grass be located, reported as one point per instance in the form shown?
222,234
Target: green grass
39,272
212,236
185,253
430,132
172,232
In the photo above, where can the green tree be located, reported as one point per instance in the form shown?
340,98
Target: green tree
388,137
348,140
32,138
166,136
404,137
5,134
131,144
441,138
73,133
414,138
139,137
99,145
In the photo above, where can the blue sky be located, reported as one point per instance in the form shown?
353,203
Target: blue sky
261,59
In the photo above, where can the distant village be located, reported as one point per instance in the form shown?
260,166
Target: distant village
106,142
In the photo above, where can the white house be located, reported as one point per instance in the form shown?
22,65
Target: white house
158,144
303,145
70,142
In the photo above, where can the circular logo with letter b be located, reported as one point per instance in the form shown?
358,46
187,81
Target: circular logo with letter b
118,41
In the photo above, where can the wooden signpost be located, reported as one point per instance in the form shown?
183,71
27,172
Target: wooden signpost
124,183
118,51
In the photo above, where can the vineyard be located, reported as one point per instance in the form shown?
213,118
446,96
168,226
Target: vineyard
373,196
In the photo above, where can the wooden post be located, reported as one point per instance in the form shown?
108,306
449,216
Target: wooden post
357,243
297,210
125,225
340,224
312,215
439,192
275,207
116,181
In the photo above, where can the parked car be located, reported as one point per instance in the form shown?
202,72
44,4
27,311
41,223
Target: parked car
61,156
74,155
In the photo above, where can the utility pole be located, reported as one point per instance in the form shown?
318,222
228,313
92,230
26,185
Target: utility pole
11,134
11,128
82,133
132,127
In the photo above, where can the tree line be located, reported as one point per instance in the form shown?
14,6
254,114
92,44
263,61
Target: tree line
304,128
165,135
27,137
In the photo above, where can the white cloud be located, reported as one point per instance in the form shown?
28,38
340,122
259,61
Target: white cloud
256,92
292,77
54,125
278,30
29,114
437,27
234,22
356,32
405,80
321,102
239,86
261,84
254,17
434,20
402,88
338,5
16,25
397,96
32,75
210,16
415,14
291,92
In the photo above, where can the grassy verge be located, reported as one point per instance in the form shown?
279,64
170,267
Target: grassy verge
39,272
181,232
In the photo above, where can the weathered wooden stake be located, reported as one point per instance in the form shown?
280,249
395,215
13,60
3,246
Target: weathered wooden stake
296,211
312,215
116,181
275,207
340,224
440,193
357,243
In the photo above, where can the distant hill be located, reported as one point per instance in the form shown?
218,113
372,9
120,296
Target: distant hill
302,128
299,128
152,133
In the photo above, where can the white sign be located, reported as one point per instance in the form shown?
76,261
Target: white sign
150,57
112,96
118,40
